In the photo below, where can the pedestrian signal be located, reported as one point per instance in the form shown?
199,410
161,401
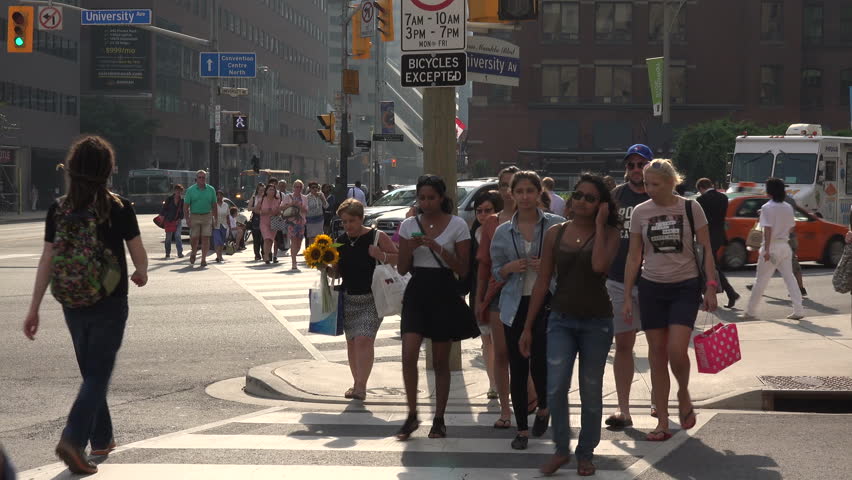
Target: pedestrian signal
385,18
240,124
517,10
327,131
19,32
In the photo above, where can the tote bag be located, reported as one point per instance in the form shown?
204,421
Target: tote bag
326,323
388,287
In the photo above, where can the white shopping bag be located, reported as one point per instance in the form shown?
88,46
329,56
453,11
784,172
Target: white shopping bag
388,290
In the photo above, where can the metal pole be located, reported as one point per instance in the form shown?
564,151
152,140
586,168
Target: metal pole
340,190
374,167
667,17
214,92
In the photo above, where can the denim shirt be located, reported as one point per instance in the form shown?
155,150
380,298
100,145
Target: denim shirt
503,252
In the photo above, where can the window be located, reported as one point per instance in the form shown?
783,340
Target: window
811,87
655,22
613,21
560,20
813,25
613,84
846,24
677,92
770,84
558,81
771,21
845,83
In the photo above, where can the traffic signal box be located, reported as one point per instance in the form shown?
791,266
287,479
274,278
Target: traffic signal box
384,15
327,130
19,32
502,11
360,45
240,126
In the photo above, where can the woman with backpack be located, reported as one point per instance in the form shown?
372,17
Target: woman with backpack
172,213
93,223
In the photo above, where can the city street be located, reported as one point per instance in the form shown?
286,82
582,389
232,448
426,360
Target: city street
190,329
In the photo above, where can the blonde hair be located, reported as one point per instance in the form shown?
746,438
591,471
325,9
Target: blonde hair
351,206
297,182
666,168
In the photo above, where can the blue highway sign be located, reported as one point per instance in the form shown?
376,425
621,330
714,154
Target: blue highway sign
228,65
116,17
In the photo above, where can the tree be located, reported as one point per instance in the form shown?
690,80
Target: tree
128,131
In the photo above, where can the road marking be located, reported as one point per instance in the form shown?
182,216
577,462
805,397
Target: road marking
667,447
19,255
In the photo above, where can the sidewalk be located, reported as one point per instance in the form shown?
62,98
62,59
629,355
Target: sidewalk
27,216
815,346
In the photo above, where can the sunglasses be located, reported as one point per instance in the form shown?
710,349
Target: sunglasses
639,165
484,210
588,197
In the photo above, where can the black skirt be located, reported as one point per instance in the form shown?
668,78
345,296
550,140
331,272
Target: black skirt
431,307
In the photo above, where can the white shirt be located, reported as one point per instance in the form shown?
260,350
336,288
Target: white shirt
557,205
357,194
222,213
456,231
779,216
529,275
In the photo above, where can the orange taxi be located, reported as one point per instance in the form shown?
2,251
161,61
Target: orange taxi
819,240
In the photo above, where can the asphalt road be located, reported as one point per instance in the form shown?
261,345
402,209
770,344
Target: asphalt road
188,329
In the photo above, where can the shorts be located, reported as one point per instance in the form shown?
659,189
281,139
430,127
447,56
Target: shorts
200,224
667,304
219,236
616,296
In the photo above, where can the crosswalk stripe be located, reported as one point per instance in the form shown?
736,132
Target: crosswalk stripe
326,339
300,301
303,325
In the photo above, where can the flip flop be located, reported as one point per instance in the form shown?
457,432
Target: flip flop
658,436
684,419
618,421
349,393
503,423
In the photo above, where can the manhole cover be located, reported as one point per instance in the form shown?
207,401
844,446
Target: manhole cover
825,384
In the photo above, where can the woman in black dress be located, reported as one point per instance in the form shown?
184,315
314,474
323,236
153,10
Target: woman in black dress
435,248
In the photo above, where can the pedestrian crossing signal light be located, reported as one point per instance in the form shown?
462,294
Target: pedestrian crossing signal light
517,10
19,33
327,131
393,162
384,16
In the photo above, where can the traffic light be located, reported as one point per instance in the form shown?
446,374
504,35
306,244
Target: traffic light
360,45
393,162
19,33
240,124
517,10
384,16
327,131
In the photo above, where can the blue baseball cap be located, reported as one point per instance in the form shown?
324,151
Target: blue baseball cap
641,150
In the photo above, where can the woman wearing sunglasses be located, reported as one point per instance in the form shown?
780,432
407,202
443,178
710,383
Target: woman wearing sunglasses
515,259
579,252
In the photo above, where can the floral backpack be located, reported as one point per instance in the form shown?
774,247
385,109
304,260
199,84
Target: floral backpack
83,269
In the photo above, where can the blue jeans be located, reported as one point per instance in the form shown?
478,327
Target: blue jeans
177,239
97,332
591,338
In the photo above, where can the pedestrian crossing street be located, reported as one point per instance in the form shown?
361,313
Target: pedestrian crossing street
337,442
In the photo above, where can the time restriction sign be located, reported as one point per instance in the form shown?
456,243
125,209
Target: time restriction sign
433,25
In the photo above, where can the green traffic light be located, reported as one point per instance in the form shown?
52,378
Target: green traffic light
19,41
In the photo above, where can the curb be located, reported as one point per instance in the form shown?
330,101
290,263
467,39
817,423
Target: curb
12,220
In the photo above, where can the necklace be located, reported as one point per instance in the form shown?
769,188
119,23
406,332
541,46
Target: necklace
353,242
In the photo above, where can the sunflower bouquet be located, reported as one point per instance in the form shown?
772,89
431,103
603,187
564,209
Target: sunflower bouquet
321,254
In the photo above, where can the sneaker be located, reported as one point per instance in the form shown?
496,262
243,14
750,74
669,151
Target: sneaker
520,442
180,255
795,316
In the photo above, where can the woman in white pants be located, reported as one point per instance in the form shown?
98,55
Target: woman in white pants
776,220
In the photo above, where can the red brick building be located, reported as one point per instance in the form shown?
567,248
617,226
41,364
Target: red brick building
584,95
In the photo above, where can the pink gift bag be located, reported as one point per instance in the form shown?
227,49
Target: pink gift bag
717,348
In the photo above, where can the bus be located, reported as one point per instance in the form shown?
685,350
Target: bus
814,167
249,179
148,188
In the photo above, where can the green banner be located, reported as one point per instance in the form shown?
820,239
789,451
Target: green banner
655,79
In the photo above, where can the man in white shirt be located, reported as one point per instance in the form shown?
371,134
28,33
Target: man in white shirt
356,193
557,204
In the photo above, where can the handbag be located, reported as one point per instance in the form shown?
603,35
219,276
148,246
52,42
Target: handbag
698,251
461,285
326,323
388,287
842,278
754,239
160,221
717,348
171,227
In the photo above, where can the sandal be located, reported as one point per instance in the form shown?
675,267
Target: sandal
532,407
654,411
556,461
492,394
658,436
359,395
619,421
349,393
411,424
439,430
684,419
520,442
585,468
503,423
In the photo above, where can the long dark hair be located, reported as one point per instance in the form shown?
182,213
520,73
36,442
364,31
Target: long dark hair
604,195
89,164
440,187
492,196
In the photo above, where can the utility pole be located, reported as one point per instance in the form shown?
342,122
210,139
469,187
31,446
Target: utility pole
340,187
214,109
375,157
667,19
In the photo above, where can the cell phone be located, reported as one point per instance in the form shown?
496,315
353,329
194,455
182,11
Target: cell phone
417,234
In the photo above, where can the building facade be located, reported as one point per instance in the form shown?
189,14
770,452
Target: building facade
584,95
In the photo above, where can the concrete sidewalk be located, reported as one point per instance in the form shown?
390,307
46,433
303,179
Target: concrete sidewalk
27,216
814,346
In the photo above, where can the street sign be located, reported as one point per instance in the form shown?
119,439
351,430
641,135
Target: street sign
228,65
233,91
491,60
368,18
49,18
217,122
363,144
116,17
387,137
433,25
434,70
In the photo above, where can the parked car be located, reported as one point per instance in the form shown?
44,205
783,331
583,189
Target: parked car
819,240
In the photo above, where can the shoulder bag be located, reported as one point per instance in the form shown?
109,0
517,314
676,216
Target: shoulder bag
842,278
461,285
276,222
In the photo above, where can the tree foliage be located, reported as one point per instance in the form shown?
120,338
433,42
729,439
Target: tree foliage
127,130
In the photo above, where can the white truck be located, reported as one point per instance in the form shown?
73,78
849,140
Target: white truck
814,167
